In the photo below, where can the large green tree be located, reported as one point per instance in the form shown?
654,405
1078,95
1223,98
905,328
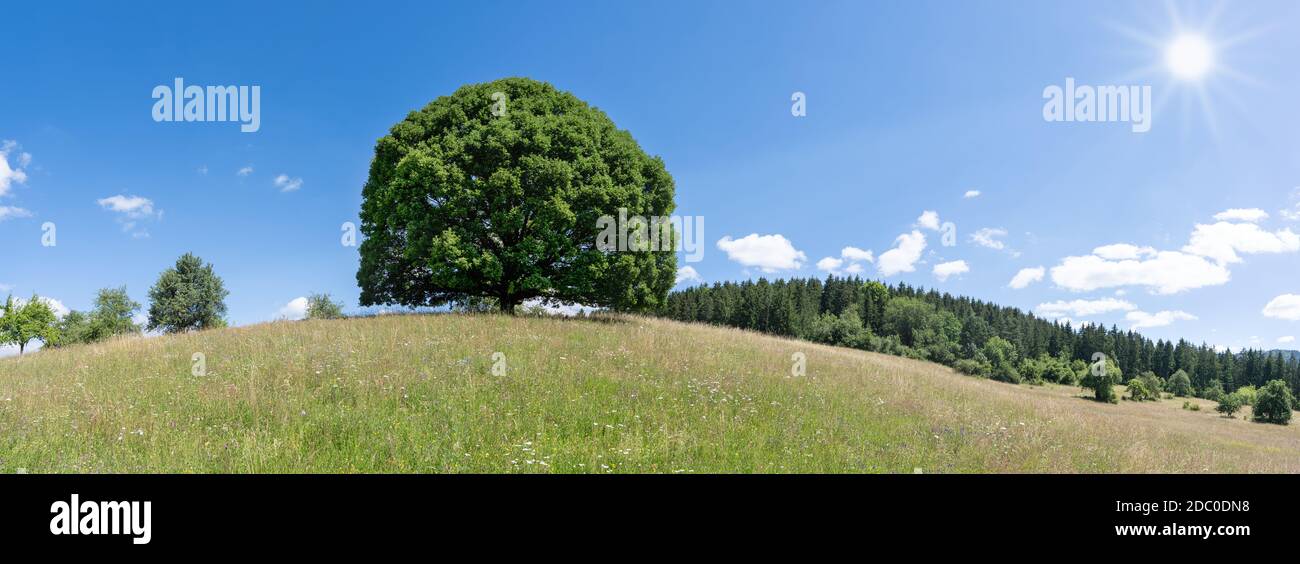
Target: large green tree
22,322
187,297
497,191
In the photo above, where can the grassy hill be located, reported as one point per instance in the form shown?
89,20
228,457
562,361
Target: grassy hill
417,394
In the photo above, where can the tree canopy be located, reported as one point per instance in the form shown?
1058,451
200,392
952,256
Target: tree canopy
497,191
22,322
322,306
187,297
112,315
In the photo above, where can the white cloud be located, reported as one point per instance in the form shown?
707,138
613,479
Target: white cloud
1242,214
1082,308
1027,276
946,269
1286,339
1167,272
134,207
1293,213
988,237
1123,251
245,171
855,254
850,261
294,310
12,175
971,194
286,184
902,258
1222,241
60,310
928,220
203,170
57,306
830,264
1201,262
687,274
9,212
769,253
1142,319
132,210
1285,306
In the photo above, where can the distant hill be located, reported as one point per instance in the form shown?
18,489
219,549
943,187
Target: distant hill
1286,354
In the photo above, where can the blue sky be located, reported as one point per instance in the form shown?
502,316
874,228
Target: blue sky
909,106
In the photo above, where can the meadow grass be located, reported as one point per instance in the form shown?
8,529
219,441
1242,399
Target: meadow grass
628,394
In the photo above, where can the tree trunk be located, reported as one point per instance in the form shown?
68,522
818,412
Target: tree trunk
21,347
507,304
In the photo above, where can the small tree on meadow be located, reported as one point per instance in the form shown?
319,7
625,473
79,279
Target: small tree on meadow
187,297
113,314
1181,385
322,306
1101,379
1273,403
74,329
24,322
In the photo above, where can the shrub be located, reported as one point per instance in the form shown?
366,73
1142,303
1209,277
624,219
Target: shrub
1005,372
1229,404
1212,391
1032,370
1153,383
1273,403
1191,406
1138,390
973,367
1247,394
1062,374
1002,356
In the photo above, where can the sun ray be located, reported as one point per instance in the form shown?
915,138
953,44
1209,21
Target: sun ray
1189,60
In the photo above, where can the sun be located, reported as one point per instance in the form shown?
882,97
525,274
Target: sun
1189,56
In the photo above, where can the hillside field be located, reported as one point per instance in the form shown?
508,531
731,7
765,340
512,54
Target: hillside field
417,393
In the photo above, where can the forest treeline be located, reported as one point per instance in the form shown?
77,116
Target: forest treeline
973,336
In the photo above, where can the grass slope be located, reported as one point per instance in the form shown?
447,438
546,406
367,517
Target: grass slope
416,394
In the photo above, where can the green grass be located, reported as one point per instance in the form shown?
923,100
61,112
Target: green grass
417,394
